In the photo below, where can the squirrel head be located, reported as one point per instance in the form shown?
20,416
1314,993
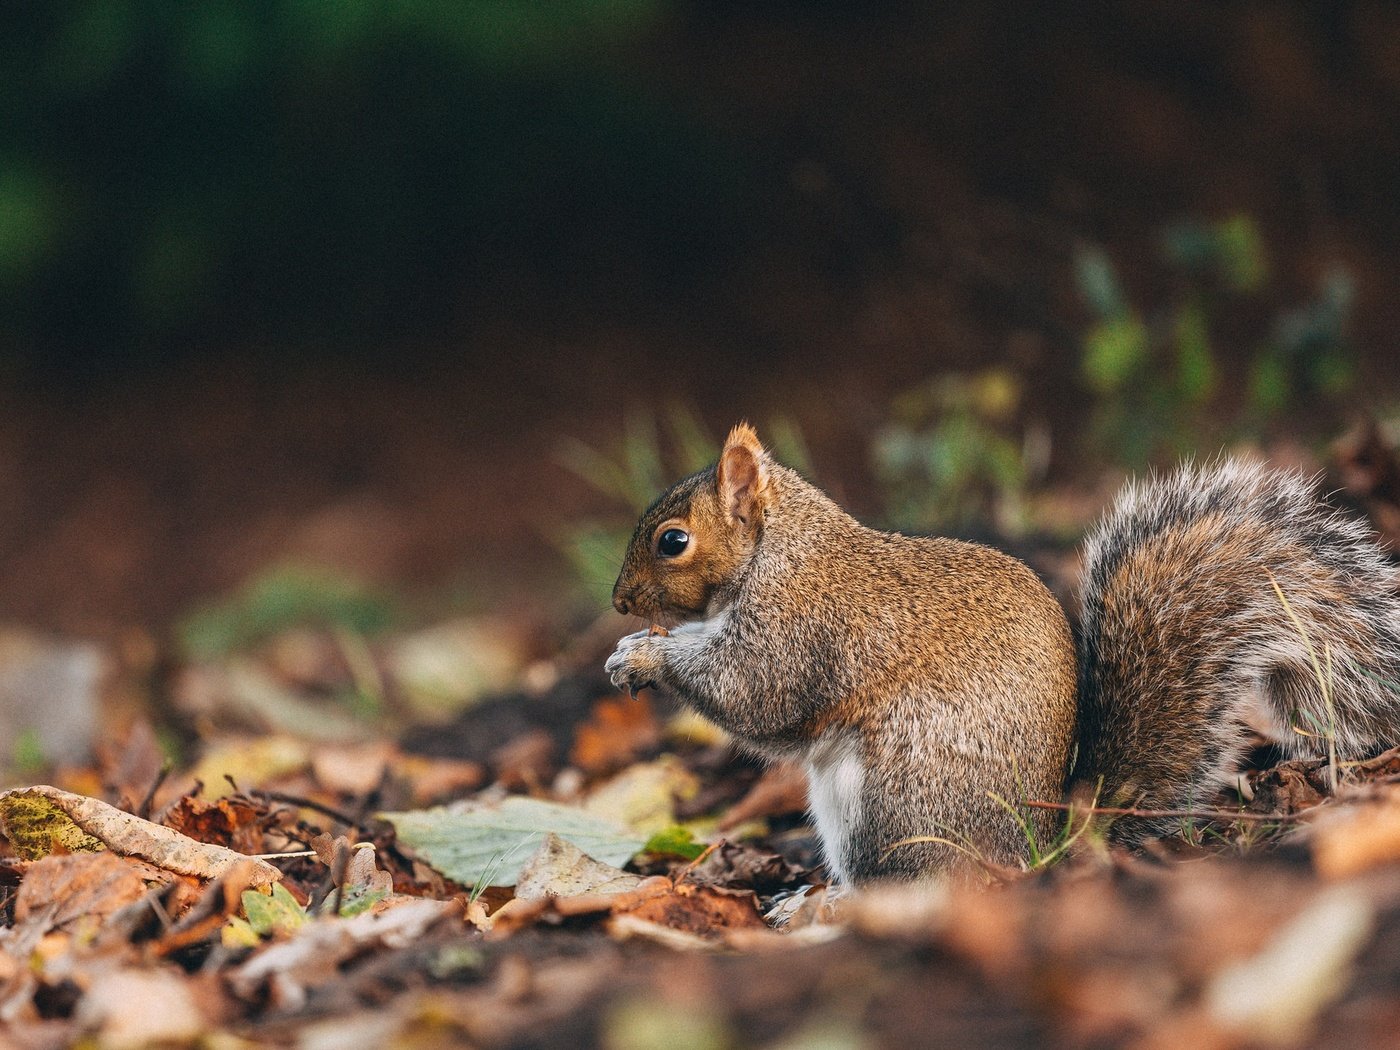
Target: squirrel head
697,536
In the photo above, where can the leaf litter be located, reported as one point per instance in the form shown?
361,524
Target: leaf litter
566,866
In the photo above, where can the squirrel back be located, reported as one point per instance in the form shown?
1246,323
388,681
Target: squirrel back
1218,600
931,686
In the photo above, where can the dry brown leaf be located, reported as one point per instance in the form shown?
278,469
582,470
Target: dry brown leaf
782,789
736,865
33,815
228,821
525,763
353,769
433,780
560,869
313,956
702,910
141,1008
618,732
1289,787
84,884
1357,837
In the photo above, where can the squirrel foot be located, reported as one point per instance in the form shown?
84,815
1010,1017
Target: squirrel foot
636,662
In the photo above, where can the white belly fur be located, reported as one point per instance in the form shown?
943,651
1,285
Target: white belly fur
835,778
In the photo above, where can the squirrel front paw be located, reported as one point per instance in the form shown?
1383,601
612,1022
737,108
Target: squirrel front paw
636,662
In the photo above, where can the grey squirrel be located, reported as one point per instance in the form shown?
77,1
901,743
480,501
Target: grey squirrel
922,679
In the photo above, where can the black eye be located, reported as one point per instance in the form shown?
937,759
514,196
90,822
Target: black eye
672,542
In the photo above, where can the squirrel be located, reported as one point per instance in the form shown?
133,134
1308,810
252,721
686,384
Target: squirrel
930,686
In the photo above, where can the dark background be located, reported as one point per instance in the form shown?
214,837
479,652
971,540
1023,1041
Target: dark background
330,280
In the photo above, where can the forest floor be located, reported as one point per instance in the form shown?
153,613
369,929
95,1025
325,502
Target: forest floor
558,865
933,186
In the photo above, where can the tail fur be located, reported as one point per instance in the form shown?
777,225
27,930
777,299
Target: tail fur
1185,641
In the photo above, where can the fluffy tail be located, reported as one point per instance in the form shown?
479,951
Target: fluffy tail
1224,598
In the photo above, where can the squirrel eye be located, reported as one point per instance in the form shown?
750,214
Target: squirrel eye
672,542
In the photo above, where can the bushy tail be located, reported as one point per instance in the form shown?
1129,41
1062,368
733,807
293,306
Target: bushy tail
1227,597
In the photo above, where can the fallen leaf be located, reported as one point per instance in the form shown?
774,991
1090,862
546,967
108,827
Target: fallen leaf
525,763
561,869
1357,837
704,911
476,842
616,733
1289,787
232,822
313,956
782,789
83,884
1274,996
353,769
643,797
250,764
36,817
274,914
437,779
629,927
675,841
140,1008
734,865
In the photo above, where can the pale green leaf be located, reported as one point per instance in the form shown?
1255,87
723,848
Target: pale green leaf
477,842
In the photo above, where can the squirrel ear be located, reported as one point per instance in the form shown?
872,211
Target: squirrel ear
743,475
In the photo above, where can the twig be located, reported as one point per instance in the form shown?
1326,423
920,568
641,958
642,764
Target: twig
704,856
1169,814
144,810
301,802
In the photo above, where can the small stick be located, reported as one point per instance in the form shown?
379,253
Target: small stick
704,856
144,810
300,801
1168,814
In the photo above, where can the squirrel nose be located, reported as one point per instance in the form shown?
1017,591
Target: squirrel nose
622,605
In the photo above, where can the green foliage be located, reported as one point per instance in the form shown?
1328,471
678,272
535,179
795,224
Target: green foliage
1308,354
27,755
356,900
1155,373
675,841
471,843
639,468
951,457
269,915
279,600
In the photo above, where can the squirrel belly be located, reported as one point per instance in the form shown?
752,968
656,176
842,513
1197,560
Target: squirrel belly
931,686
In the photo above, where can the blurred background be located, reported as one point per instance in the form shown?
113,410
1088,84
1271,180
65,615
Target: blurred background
306,302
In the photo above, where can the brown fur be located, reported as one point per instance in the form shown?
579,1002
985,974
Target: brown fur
950,662
918,678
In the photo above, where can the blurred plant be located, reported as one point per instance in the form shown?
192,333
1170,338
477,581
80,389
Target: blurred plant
1155,374
279,600
951,456
638,469
308,163
1308,353
27,755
